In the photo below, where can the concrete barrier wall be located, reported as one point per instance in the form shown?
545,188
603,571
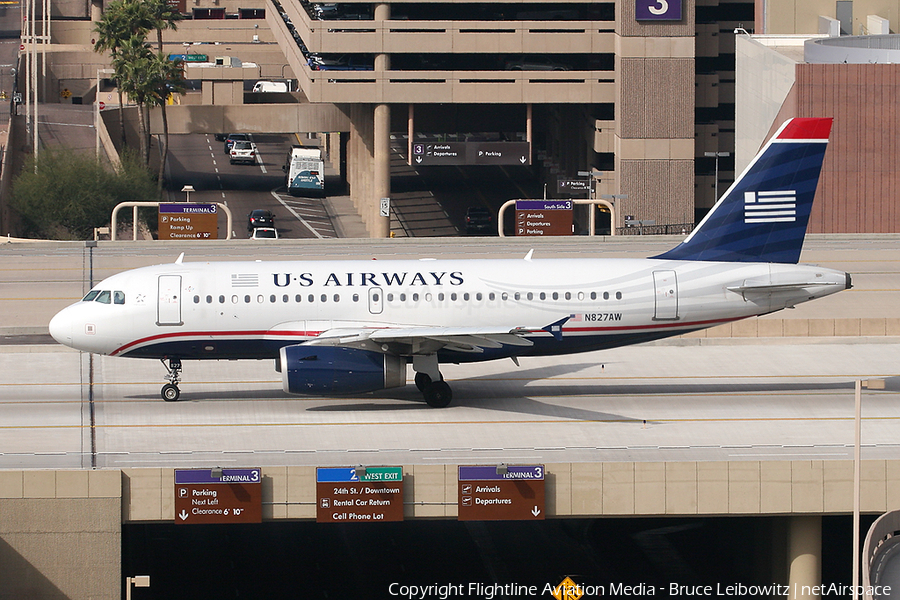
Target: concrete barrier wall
585,489
60,535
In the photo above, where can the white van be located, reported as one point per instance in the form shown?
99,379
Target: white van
270,86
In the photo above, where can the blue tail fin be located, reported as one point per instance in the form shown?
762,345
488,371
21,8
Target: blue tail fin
763,215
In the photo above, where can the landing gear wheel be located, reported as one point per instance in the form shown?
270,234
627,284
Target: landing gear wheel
422,381
438,394
170,392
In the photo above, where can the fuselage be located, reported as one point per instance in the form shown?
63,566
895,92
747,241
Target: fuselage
234,310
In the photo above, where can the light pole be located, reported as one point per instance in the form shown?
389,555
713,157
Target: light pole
187,189
138,581
716,155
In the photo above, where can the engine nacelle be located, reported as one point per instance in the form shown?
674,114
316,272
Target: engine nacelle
323,370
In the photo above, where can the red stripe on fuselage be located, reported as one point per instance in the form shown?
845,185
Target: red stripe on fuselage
313,334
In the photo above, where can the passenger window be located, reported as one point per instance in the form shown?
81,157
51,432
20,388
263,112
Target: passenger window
606,295
337,297
298,298
118,297
441,297
593,295
324,298
311,298
246,299
103,297
196,299
209,299
466,296
221,299
556,295
505,296
415,297
285,299
618,295
530,296
390,298
519,296
453,296
356,297
478,296
402,297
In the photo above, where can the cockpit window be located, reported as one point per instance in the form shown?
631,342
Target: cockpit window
103,297
90,295
118,297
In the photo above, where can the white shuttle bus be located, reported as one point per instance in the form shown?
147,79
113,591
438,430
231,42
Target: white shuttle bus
305,171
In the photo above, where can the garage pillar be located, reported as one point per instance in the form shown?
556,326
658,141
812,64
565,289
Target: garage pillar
381,225
804,557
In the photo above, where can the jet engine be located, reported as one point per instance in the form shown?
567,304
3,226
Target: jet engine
323,370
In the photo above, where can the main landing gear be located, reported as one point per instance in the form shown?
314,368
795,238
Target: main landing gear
170,391
430,382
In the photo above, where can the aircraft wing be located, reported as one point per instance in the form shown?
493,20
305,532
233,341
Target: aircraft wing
424,340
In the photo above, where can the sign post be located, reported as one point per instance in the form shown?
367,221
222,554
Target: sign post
504,493
359,494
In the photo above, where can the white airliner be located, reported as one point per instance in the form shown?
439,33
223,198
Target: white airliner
345,327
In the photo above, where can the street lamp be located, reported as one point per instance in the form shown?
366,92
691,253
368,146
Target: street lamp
716,155
187,189
138,581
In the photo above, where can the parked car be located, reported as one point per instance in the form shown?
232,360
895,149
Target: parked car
270,86
534,63
234,137
260,218
340,62
478,220
244,152
264,233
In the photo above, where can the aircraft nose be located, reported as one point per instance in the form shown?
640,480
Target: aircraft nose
61,328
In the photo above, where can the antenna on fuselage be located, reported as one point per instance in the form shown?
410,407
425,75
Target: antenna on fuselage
529,255
179,259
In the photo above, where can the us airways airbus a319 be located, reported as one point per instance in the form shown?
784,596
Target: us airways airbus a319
346,327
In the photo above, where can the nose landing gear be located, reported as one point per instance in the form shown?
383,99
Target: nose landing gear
170,391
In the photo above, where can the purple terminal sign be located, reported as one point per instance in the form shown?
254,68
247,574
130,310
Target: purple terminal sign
185,208
513,473
543,205
657,10
204,476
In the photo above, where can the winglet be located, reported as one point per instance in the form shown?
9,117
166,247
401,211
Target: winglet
179,259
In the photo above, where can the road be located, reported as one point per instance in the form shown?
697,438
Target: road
687,401
200,161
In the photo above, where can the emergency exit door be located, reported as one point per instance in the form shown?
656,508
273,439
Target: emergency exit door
666,297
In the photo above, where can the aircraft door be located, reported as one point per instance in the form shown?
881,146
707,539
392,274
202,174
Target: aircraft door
169,300
376,301
666,296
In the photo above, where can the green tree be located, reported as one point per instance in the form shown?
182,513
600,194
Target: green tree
123,31
113,29
70,194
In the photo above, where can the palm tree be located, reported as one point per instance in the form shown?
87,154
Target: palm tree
162,16
132,65
112,29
